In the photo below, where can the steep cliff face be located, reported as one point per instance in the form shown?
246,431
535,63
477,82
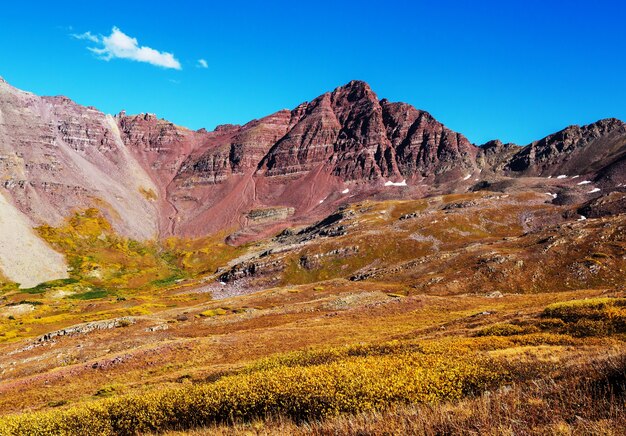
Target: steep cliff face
57,156
362,149
309,143
234,151
160,147
425,147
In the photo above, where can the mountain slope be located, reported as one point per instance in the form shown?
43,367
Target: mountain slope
154,179
573,150
57,156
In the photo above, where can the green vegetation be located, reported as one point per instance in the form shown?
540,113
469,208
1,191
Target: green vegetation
91,295
17,303
168,281
100,257
43,287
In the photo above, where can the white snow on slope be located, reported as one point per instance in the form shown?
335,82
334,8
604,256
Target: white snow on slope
584,182
594,190
389,183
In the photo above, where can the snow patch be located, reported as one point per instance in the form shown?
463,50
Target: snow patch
594,190
345,191
390,183
582,218
575,177
467,177
584,182
562,176
551,194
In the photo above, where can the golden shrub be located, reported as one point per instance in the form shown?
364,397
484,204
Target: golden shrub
301,386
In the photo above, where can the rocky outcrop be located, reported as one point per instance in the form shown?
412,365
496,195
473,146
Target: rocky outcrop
494,156
611,204
423,145
233,150
88,328
572,151
252,269
270,214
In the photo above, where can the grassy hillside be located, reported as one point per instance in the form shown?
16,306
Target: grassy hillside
448,315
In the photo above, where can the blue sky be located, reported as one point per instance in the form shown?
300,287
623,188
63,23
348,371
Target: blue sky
514,70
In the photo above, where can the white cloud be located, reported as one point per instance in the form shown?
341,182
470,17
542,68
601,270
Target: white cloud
202,63
118,45
88,36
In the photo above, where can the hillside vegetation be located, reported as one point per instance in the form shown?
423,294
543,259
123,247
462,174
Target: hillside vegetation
460,314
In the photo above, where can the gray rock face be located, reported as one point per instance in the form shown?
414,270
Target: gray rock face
57,156
88,327
270,214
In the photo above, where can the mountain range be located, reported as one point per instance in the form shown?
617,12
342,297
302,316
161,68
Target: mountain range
153,179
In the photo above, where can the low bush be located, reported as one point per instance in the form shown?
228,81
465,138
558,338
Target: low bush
33,303
347,384
505,329
209,313
43,287
592,317
90,295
